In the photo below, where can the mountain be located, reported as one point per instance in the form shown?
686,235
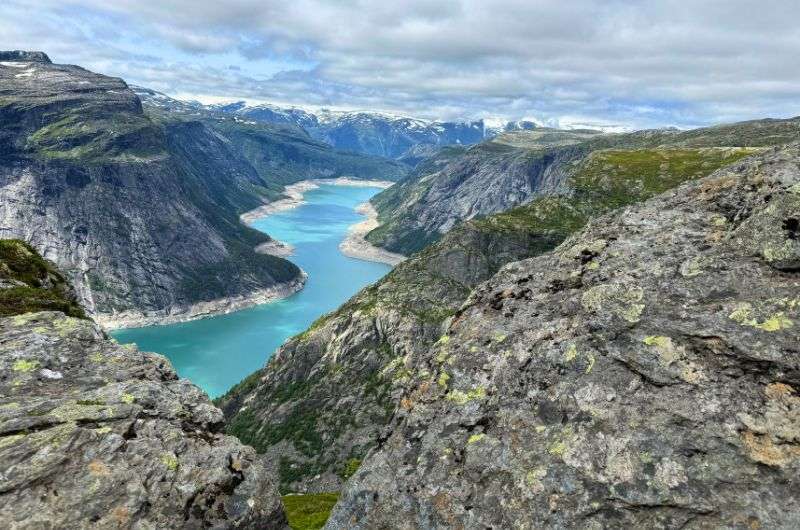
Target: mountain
514,168
325,398
94,434
642,375
139,206
374,133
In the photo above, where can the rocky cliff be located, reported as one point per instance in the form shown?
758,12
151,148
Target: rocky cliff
140,210
515,168
322,401
644,374
93,434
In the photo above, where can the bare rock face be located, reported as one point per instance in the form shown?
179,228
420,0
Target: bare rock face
97,435
140,217
644,374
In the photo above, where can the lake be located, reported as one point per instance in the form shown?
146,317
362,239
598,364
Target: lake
216,353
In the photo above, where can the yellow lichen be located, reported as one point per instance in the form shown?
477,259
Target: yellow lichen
557,448
170,460
657,340
23,365
571,353
476,438
461,398
743,314
591,360
127,398
619,299
443,379
776,322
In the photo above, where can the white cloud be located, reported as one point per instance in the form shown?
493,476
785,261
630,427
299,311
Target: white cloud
626,63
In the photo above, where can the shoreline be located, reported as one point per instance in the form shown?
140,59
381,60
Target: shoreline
356,246
200,310
295,195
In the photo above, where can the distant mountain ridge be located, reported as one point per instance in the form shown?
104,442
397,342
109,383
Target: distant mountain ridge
371,133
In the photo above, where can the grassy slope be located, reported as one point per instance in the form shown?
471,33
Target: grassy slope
611,179
31,283
309,512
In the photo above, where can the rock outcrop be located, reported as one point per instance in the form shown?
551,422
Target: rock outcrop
644,374
98,435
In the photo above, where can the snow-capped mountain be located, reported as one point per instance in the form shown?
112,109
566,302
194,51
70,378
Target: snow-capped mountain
373,133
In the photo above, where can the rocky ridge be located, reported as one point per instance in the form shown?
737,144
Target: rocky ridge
644,374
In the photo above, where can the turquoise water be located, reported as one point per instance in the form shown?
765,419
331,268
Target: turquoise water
216,353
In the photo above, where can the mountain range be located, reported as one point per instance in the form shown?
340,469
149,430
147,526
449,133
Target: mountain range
371,133
591,330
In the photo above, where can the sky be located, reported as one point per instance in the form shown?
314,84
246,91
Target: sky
611,63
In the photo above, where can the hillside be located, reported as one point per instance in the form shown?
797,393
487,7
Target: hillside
323,400
514,168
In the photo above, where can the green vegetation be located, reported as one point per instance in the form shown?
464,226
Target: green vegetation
80,136
31,283
299,426
309,512
606,180
350,468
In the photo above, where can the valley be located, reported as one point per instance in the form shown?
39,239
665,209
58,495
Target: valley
217,352
362,320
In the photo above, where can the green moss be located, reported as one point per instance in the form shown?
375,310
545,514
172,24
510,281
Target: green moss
41,287
309,512
350,468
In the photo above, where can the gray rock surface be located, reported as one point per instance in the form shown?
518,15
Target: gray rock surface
323,399
97,435
644,374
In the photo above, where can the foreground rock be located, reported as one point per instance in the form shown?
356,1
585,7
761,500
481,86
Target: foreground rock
644,374
93,434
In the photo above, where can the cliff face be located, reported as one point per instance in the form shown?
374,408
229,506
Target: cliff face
644,374
100,189
93,434
515,168
140,210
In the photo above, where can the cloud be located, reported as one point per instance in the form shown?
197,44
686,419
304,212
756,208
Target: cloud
635,62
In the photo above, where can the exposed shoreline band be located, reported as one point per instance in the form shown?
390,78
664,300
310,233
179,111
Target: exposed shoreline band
354,246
